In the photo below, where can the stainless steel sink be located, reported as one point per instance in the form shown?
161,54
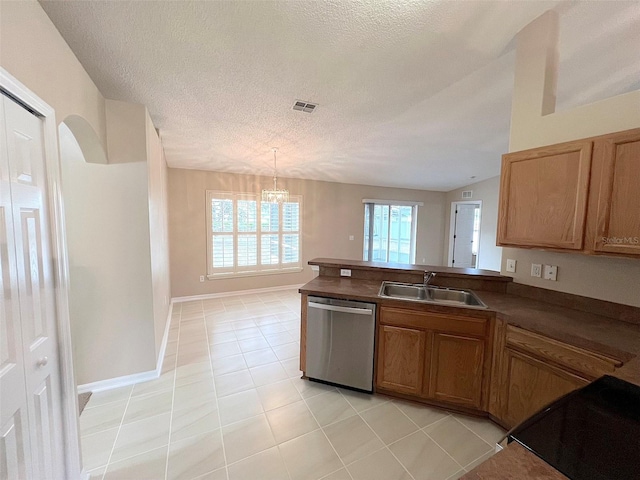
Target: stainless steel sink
437,295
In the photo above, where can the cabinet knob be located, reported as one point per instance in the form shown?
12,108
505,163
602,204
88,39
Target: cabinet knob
42,362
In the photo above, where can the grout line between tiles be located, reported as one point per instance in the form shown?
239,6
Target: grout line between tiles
173,396
113,447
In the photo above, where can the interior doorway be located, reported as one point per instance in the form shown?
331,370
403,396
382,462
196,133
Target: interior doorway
464,236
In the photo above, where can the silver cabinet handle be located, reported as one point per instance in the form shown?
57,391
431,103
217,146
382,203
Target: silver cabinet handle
335,308
42,362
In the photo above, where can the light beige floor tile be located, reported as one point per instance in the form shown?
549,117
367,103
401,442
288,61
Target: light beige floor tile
480,460
309,457
483,427
195,456
195,372
96,448
222,366
168,364
186,359
362,401
121,394
251,332
97,473
194,421
330,407
352,439
269,373
267,465
278,394
148,465
260,357
341,474
457,475
216,327
280,338
292,367
243,324
147,406
286,351
291,421
423,458
272,327
459,442
141,436
165,382
381,465
239,406
193,395
221,350
102,418
389,422
247,437
421,415
216,338
252,344
310,389
235,382
220,474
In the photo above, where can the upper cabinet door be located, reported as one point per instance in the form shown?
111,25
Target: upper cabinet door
543,196
617,159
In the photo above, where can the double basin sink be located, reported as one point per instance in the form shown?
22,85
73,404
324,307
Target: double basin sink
430,294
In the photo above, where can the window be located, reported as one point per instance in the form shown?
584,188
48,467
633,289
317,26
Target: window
390,231
250,237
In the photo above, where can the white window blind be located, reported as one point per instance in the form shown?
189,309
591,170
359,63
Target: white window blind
250,237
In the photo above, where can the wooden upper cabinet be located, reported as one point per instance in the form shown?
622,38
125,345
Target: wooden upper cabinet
617,220
543,196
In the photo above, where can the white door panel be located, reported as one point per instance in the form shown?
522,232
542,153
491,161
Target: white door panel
463,236
30,316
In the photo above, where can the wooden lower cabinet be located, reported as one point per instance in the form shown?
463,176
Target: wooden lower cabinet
416,357
456,369
529,384
401,359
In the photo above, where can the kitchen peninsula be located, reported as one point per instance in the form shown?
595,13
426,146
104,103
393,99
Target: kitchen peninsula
529,347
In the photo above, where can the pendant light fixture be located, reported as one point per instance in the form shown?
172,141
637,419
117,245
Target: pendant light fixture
275,195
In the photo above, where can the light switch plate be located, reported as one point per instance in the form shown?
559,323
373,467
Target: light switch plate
511,265
536,270
345,272
551,272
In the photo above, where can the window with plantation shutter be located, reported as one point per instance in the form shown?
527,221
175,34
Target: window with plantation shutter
249,237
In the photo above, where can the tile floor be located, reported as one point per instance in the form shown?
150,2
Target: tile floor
231,405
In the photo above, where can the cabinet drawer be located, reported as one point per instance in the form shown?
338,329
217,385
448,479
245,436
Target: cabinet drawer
589,364
434,321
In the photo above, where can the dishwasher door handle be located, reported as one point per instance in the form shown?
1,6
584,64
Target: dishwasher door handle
335,308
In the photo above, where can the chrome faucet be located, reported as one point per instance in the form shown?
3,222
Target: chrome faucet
428,276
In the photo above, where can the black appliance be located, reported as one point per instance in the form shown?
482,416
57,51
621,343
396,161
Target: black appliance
590,434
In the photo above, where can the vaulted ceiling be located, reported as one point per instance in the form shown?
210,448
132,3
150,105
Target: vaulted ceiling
410,94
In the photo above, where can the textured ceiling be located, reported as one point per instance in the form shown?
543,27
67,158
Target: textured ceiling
411,94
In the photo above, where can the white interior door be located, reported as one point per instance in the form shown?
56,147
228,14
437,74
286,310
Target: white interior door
463,256
32,443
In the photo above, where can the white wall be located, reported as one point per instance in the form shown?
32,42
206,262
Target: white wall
488,191
534,123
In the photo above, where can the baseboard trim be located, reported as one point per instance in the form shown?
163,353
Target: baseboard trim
234,293
126,380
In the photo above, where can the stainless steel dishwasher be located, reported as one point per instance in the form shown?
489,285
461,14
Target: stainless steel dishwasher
340,339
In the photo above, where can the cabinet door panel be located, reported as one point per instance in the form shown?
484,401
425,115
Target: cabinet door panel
456,369
618,216
531,384
543,196
401,357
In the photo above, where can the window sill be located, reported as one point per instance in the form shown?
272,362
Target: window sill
253,273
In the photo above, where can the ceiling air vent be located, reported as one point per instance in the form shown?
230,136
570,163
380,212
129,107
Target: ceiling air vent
304,106
467,194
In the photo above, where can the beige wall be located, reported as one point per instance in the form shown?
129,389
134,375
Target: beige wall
534,124
331,213
487,191
110,204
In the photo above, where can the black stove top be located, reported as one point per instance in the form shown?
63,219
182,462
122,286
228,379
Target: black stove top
590,434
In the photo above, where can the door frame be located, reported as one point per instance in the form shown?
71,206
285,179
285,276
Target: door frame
69,401
452,226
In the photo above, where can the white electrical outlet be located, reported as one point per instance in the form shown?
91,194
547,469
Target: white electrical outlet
351,237
345,272
511,265
536,270
551,272
202,278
